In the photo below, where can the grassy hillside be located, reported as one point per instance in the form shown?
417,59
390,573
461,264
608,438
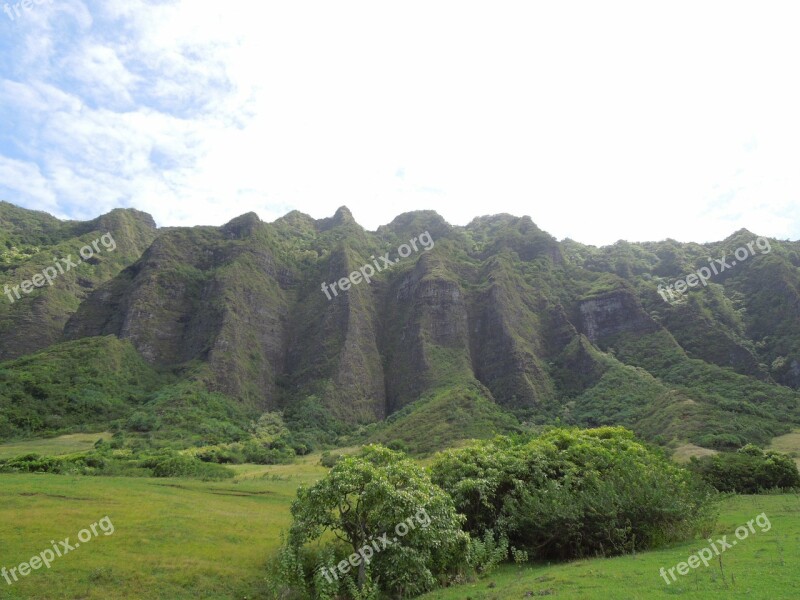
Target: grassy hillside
789,444
442,419
81,385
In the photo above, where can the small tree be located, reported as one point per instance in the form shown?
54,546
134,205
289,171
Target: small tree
374,498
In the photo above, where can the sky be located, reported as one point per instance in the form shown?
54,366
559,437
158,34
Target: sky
600,120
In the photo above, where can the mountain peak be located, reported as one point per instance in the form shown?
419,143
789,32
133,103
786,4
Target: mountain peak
341,217
242,226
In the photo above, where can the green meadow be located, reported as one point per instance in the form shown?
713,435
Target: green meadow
180,539
173,538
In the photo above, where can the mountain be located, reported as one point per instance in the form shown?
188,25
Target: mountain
32,242
488,327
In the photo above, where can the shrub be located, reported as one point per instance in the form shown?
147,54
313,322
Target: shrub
750,470
172,464
485,554
398,446
142,422
573,493
32,463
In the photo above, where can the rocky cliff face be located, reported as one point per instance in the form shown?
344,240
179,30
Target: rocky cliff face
247,306
245,301
613,313
498,306
217,296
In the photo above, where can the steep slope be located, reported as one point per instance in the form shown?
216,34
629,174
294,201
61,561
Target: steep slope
494,314
214,295
34,244
83,384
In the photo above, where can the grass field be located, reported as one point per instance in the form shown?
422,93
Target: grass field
683,453
183,539
173,539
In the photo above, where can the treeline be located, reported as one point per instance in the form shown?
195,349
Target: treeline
269,442
161,463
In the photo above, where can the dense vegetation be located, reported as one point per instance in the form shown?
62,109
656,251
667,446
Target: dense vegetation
497,328
121,463
265,442
87,383
750,470
565,494
573,493
383,506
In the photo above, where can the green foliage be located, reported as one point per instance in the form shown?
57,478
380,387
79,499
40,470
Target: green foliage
251,451
142,422
309,420
269,429
365,497
85,383
486,553
329,460
172,464
520,556
750,470
187,411
31,463
104,462
287,578
26,229
728,409
571,493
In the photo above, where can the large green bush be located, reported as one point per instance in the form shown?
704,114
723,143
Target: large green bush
573,493
748,471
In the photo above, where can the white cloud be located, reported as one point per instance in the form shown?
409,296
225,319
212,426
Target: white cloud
602,122
27,181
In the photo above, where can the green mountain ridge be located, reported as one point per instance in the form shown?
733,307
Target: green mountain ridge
497,322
